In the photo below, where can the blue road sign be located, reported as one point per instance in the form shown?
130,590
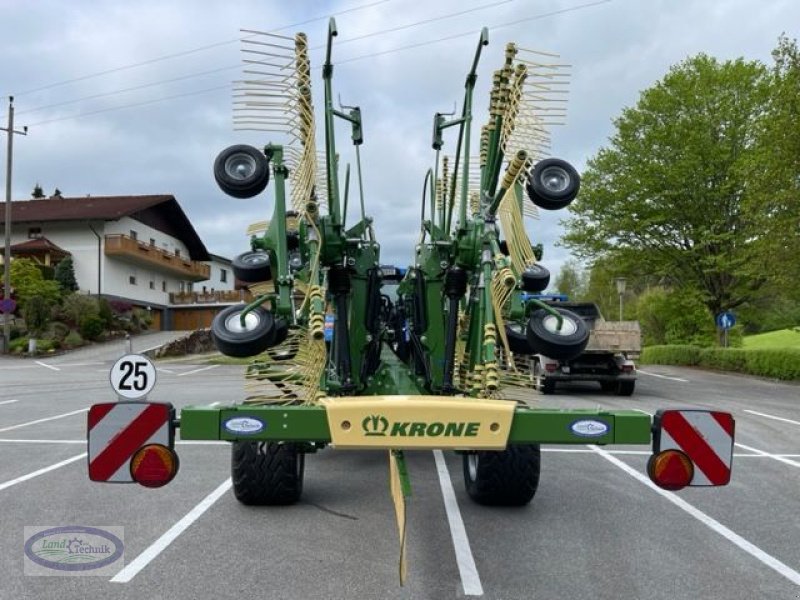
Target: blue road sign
726,320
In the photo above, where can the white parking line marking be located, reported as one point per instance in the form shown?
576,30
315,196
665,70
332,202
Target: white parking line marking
662,376
9,401
197,370
74,412
753,550
470,579
51,367
773,417
160,370
58,465
140,562
777,457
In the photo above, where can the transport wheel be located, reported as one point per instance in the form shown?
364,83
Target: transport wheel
252,267
232,339
545,338
535,278
625,388
267,473
553,184
241,171
505,478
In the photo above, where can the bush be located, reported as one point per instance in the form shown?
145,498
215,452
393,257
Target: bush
77,307
105,313
91,327
674,317
36,311
777,363
56,330
73,339
20,346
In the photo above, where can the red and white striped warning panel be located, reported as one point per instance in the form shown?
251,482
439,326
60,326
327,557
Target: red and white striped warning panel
117,430
706,437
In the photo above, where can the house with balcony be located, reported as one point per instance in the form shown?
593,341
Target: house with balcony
138,249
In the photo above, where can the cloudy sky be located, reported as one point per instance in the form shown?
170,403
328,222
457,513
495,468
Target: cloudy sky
135,97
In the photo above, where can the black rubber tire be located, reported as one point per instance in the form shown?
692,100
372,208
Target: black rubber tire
267,473
233,340
517,339
546,198
276,352
560,345
535,278
252,267
608,386
241,187
509,477
625,388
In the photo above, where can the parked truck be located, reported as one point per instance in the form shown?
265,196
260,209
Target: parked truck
608,357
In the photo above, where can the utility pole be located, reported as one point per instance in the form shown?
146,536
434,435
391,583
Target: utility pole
10,131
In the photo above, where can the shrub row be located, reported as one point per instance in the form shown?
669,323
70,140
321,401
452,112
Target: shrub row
779,363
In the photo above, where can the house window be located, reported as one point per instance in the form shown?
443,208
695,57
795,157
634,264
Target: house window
132,279
163,286
34,233
223,275
134,235
182,287
152,285
152,242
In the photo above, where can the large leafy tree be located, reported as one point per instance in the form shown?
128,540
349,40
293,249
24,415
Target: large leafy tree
666,199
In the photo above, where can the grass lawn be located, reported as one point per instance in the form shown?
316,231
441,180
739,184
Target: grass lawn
784,338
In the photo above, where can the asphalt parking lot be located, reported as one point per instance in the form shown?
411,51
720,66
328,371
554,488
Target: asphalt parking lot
596,528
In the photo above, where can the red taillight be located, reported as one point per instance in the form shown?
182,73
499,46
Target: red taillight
550,367
670,469
627,368
154,465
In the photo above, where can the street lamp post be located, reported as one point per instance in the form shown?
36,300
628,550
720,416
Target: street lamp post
621,283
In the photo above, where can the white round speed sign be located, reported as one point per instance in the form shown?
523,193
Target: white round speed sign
133,376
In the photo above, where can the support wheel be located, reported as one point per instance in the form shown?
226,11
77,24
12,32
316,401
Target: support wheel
267,473
553,184
252,267
233,339
564,344
625,388
506,478
241,171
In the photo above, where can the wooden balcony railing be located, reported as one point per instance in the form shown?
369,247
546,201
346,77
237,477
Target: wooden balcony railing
216,297
127,248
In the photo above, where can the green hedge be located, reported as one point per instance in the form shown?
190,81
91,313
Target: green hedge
779,363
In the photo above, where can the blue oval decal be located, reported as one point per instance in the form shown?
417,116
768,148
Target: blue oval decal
244,425
589,428
74,548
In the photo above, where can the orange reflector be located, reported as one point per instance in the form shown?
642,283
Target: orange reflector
670,469
154,465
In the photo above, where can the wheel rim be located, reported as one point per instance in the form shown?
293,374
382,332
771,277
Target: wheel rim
234,322
555,179
472,466
568,326
240,166
255,259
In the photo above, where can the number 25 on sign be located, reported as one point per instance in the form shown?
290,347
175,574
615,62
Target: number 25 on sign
133,376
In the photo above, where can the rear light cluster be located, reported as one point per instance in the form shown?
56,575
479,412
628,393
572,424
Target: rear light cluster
154,465
627,368
670,469
550,367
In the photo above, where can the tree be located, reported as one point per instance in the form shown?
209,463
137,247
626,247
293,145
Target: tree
571,281
38,192
56,193
667,198
27,280
65,275
36,311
